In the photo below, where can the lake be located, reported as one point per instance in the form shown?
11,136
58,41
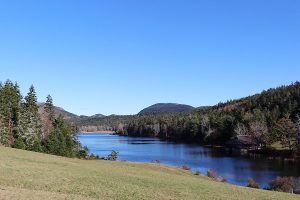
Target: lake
236,169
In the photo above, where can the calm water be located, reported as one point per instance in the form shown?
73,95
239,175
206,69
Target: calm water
236,169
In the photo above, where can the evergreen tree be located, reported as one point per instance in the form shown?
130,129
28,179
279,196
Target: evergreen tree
10,108
20,144
49,108
21,125
48,117
32,126
62,140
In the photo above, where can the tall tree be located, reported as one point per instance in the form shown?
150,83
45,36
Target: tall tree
286,132
10,107
259,131
241,129
32,125
298,132
62,139
49,108
48,116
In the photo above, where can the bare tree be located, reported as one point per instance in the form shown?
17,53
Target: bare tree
241,129
287,132
258,130
206,128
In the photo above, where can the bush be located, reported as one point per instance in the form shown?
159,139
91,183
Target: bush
83,153
253,184
37,147
92,157
283,184
113,156
212,174
20,144
185,167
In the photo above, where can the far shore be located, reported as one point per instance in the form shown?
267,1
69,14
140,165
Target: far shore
97,132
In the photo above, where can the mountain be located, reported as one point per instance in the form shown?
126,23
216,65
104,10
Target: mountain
98,116
59,111
166,108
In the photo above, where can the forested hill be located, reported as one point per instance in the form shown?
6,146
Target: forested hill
166,108
58,111
100,122
268,117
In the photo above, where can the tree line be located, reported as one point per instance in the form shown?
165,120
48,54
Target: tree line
269,117
22,126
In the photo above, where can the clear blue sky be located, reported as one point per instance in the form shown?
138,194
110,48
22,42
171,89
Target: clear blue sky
119,56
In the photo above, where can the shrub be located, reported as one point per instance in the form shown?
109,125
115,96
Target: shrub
185,167
20,144
113,156
83,153
37,147
212,174
92,157
253,184
283,184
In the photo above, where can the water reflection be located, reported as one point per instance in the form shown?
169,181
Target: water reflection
235,168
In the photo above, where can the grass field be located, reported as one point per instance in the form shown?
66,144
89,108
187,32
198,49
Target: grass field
28,175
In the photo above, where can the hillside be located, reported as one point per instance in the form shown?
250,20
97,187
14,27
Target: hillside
97,116
28,175
263,117
106,123
59,111
166,108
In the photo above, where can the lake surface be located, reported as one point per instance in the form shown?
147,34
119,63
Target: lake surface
236,169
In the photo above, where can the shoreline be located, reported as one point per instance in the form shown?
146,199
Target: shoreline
97,132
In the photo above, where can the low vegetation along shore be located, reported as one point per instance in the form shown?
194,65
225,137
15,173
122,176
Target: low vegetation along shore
30,175
97,132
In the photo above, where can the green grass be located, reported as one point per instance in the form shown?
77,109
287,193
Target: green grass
278,146
28,175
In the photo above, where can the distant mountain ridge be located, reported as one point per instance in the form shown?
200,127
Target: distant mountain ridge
166,108
97,116
67,115
58,111
100,122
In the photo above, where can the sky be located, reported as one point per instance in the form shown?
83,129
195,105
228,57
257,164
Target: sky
120,56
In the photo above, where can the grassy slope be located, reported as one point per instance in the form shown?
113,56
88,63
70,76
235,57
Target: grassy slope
28,175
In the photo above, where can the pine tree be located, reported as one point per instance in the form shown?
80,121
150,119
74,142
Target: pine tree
49,108
10,109
62,139
32,126
48,117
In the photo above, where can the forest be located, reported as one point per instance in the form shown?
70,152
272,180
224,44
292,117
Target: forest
22,126
271,117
